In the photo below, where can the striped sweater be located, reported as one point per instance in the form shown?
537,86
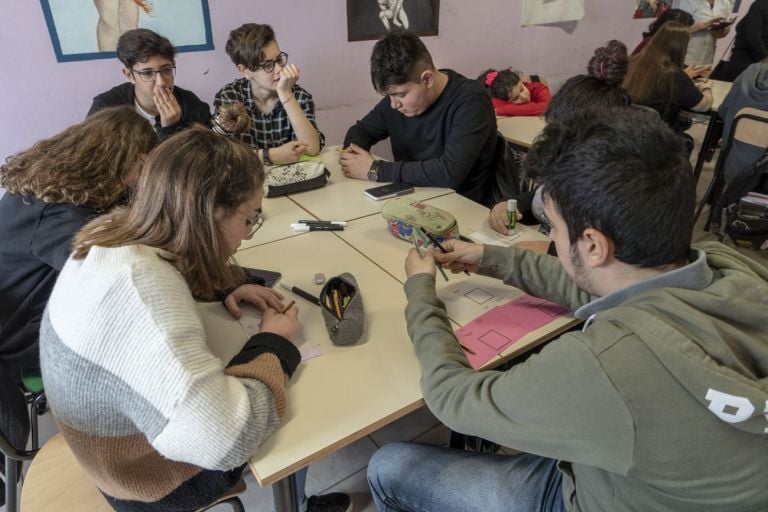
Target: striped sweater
157,421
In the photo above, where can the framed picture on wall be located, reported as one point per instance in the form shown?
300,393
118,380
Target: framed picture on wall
89,29
372,19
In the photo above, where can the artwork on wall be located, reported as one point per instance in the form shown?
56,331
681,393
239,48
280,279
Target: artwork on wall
651,8
89,29
536,12
372,19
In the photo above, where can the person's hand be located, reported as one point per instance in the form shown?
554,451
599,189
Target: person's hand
415,263
460,256
705,25
286,325
719,34
167,106
498,218
289,75
261,297
355,162
704,85
289,152
698,71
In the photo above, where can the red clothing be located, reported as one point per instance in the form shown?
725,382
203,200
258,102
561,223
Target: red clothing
540,97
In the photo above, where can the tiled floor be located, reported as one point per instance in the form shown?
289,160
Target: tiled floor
345,470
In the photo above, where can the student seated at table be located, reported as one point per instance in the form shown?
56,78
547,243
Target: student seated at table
511,96
677,15
52,190
180,423
282,113
441,124
150,68
599,88
656,79
656,404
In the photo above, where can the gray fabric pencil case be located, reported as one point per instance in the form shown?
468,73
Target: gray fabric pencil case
341,304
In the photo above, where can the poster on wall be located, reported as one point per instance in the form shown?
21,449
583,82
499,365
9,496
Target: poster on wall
651,8
372,19
538,12
89,29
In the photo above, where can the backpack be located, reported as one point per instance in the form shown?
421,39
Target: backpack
746,212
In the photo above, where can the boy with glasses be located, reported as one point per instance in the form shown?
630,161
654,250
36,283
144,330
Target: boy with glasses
150,69
282,113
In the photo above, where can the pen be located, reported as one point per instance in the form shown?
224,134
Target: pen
437,244
333,222
303,228
467,349
289,306
439,266
301,293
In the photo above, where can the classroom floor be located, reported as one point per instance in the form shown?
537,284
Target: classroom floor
345,470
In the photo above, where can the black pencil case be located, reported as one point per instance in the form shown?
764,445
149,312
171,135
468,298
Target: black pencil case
342,306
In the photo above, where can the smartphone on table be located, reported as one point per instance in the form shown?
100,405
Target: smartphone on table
389,190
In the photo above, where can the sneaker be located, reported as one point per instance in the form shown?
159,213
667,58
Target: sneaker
334,502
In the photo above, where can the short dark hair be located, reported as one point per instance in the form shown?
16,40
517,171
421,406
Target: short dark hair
500,84
140,44
676,15
246,44
395,58
624,173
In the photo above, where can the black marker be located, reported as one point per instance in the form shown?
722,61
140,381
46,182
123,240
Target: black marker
301,293
437,244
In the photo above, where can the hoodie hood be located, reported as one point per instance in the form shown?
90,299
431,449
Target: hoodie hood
713,340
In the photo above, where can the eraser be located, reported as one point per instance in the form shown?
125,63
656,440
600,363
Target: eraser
319,278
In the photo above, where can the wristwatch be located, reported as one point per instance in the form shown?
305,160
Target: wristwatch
373,172
265,157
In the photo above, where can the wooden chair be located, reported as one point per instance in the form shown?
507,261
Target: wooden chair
55,482
750,126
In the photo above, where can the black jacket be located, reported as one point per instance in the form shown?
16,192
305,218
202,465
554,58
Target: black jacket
751,42
36,242
193,110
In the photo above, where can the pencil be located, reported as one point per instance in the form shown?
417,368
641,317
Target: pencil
467,349
289,306
336,305
442,249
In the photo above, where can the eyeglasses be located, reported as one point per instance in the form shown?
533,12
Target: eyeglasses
150,75
254,224
269,65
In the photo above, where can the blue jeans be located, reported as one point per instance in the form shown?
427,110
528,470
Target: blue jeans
422,478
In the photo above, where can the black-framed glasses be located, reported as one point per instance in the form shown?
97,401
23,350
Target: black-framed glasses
150,75
269,65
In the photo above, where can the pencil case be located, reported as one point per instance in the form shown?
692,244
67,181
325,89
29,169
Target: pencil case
342,307
293,178
403,214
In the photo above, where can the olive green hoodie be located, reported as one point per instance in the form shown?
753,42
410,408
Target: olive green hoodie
659,404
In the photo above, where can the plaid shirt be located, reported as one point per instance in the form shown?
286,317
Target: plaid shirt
268,130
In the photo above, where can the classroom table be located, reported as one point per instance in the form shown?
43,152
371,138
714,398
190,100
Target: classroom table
720,90
346,393
520,130
343,198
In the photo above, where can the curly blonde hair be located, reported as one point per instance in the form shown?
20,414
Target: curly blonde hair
87,163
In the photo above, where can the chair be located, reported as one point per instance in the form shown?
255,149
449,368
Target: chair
19,409
56,481
750,126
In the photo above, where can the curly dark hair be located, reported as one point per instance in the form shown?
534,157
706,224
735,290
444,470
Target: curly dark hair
624,173
396,58
677,15
500,85
609,63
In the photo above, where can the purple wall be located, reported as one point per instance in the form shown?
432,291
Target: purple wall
41,96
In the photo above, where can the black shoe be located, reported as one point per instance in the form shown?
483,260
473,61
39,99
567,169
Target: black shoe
334,502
